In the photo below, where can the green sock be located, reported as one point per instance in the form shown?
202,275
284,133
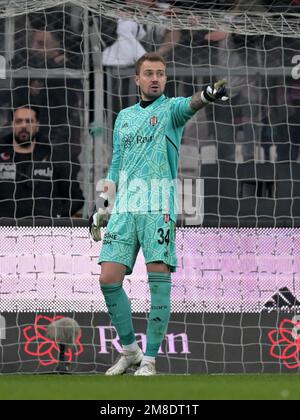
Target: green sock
160,288
119,310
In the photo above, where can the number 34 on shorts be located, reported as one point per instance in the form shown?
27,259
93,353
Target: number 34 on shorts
165,233
158,239
127,233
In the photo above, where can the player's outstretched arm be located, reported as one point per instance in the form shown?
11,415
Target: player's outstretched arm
210,94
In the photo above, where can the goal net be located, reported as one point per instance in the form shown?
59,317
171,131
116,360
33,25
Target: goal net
66,70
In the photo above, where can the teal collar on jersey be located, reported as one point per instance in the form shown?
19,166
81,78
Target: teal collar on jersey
146,104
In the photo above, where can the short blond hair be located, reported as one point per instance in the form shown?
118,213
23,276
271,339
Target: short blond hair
153,57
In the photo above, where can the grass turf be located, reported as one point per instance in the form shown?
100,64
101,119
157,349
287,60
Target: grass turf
194,387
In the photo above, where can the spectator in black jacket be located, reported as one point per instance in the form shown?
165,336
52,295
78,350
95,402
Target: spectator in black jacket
36,180
57,98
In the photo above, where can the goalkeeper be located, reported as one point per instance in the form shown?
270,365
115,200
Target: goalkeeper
147,140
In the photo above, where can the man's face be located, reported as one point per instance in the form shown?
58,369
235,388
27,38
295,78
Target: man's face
44,43
25,126
152,80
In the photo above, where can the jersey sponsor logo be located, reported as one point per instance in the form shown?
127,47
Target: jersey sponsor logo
44,173
7,172
129,140
154,121
142,140
283,299
109,238
109,340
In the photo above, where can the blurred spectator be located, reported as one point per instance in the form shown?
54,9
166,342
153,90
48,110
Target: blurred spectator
283,6
36,180
58,99
48,48
235,122
58,103
190,49
281,128
290,151
45,51
158,38
124,41
126,49
47,39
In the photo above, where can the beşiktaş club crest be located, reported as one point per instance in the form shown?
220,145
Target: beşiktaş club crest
154,121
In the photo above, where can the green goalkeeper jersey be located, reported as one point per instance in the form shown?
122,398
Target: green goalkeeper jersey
146,149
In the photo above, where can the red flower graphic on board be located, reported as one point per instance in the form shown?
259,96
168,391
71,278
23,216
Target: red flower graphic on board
286,343
40,346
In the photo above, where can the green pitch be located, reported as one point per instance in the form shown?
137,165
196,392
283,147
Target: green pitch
194,387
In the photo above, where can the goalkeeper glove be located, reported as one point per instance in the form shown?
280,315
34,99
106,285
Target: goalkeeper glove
96,221
217,91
